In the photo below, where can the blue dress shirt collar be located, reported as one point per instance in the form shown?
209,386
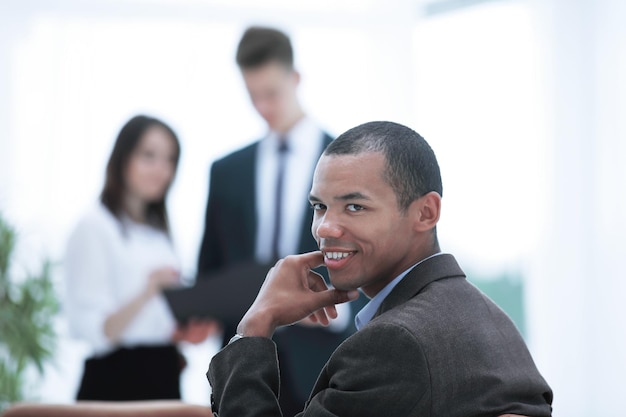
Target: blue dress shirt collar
367,313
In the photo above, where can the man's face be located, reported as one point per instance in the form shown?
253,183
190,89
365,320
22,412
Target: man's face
272,88
366,240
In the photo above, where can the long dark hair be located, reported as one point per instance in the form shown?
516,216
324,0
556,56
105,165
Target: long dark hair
112,195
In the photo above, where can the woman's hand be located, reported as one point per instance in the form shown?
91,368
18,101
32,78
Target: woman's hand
162,278
158,279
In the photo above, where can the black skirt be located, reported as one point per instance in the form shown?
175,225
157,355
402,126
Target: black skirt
133,374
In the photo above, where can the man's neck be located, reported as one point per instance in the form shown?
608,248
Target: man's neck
291,122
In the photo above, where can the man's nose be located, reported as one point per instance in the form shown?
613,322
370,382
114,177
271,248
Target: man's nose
328,227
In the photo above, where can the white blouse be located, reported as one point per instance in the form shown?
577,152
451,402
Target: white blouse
106,266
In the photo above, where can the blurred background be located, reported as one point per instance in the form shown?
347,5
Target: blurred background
523,101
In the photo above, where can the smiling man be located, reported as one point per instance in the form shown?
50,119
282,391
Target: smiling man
429,343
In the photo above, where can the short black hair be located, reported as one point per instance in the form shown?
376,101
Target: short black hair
260,45
411,166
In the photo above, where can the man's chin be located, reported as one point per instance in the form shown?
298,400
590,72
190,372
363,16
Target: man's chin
341,284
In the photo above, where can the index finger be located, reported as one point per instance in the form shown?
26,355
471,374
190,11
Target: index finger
312,259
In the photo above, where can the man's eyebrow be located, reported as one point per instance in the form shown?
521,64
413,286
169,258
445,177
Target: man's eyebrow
350,196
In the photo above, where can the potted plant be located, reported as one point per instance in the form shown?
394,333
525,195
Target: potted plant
27,310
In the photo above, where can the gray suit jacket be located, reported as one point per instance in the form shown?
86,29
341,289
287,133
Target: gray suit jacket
436,347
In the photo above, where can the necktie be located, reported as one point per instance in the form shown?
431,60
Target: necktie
282,159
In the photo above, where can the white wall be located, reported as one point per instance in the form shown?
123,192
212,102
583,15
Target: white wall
577,284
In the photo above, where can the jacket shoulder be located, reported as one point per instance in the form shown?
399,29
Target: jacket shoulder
379,361
236,157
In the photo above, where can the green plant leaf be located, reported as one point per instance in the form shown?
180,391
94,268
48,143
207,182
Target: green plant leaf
27,311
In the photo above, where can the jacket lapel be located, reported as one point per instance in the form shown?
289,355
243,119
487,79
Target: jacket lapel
433,269
247,186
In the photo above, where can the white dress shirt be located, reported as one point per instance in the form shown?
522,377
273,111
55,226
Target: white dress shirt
305,141
106,265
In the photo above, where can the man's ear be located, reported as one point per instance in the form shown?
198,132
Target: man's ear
429,209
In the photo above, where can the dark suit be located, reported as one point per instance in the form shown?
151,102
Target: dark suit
229,239
230,220
436,347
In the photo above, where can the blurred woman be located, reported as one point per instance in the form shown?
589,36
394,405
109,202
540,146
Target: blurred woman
118,259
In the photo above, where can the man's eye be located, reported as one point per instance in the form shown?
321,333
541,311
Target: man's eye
317,206
354,207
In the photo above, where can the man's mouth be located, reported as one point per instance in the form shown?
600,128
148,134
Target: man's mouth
335,256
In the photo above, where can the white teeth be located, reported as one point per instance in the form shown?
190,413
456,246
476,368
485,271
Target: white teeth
337,255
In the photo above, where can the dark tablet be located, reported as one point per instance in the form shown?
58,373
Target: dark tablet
225,295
